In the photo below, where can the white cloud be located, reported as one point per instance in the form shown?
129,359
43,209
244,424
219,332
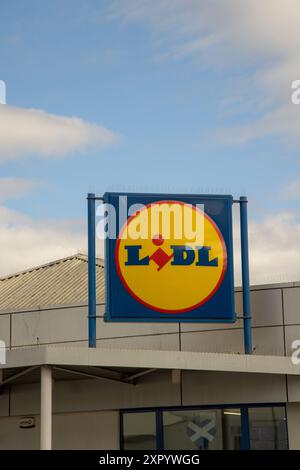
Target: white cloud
29,242
291,191
273,244
2,92
29,131
283,123
263,35
14,188
274,249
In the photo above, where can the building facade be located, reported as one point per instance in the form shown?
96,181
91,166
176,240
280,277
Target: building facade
147,386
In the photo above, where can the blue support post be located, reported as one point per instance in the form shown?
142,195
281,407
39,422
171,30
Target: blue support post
245,277
91,270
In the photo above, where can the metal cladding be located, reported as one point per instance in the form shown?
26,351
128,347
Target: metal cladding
62,282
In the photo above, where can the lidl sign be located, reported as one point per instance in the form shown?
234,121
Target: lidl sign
169,258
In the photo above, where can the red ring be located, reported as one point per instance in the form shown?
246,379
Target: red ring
145,303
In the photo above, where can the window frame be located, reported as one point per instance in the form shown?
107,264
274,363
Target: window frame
245,431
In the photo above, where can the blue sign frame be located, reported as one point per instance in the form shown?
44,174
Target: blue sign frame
122,307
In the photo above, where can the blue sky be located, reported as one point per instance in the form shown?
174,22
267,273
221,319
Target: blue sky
175,95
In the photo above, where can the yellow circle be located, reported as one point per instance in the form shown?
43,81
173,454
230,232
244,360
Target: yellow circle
148,267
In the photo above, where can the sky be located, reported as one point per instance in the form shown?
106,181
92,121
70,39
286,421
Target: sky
189,96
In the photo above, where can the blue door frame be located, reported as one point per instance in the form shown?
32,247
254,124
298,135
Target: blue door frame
245,435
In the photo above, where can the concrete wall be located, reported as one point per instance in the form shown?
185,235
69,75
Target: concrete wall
97,430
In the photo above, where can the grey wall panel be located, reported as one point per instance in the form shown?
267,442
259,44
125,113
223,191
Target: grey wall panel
112,329
155,389
268,341
168,342
12,437
189,327
293,382
97,430
100,309
226,341
49,326
70,324
292,333
209,388
291,302
25,399
4,402
266,307
82,344
5,329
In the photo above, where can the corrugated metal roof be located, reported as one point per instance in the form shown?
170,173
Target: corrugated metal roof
61,282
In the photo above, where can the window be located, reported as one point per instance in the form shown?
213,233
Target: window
267,428
228,428
139,431
202,429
